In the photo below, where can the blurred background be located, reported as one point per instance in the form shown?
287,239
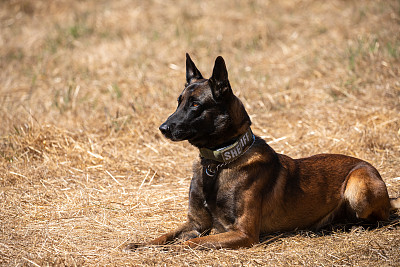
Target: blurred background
84,86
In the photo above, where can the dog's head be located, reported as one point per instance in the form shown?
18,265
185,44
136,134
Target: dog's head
208,113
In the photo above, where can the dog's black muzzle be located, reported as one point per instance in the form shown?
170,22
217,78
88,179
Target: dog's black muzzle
176,132
166,130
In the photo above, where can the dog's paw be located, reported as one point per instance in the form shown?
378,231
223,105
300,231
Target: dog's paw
132,247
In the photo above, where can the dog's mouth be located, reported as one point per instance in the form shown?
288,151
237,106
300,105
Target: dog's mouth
181,135
175,134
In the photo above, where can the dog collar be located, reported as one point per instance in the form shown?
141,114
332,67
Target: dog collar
230,153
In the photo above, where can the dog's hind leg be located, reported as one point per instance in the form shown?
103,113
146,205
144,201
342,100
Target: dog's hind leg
366,194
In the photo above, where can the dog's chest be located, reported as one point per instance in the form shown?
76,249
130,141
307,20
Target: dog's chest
219,200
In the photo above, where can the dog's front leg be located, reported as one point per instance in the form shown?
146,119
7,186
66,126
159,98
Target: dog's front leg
245,231
232,239
199,222
185,232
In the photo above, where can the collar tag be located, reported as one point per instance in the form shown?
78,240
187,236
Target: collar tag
231,152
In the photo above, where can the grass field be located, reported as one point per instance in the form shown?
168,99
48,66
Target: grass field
84,86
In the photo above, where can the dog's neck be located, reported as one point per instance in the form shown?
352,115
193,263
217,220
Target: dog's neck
231,152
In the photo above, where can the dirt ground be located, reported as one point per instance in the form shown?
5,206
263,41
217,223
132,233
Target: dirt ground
84,86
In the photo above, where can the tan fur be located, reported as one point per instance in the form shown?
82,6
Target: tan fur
367,195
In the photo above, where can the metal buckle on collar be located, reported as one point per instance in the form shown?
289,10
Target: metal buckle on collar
210,172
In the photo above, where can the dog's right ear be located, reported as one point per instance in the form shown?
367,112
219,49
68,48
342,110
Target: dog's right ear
192,73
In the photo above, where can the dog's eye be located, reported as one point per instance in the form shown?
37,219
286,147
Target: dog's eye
195,104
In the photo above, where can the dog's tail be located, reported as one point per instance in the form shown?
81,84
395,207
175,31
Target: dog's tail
395,203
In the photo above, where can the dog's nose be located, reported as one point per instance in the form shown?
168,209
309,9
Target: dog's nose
164,128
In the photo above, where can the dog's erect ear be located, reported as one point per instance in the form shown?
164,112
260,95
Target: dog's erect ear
219,82
192,73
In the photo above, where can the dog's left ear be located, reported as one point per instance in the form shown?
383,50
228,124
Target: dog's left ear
219,82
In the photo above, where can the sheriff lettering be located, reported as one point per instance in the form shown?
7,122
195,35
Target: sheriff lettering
237,150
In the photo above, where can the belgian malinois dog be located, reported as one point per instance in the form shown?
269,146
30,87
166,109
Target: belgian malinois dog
242,188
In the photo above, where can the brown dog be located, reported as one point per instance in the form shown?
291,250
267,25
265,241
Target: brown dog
241,187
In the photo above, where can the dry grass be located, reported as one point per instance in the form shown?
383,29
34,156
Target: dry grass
85,84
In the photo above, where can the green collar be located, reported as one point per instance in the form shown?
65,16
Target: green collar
230,153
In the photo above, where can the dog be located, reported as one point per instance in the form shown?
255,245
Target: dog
242,188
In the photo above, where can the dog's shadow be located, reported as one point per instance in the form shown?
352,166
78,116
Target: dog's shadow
393,221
